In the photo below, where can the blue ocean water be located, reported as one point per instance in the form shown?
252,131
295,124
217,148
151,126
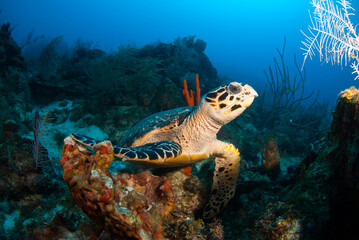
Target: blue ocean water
241,36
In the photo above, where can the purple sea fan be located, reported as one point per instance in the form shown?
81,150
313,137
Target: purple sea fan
40,153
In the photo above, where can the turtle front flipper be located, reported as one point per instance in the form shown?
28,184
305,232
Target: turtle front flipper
84,140
152,153
224,178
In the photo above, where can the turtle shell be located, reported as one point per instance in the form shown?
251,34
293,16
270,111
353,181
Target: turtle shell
162,121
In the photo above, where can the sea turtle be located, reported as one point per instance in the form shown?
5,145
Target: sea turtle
187,135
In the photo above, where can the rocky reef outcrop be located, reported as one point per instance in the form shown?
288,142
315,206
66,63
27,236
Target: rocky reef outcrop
126,205
14,93
128,76
183,56
334,163
325,190
10,52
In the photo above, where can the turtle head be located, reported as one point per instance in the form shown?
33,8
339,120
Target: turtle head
229,101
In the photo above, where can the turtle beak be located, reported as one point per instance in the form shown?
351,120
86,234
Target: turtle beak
249,98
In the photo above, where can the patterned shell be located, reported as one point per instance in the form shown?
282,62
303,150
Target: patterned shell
165,121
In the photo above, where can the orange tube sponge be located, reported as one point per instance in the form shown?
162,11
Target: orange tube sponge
189,98
198,90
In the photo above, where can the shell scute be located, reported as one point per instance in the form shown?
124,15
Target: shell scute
162,121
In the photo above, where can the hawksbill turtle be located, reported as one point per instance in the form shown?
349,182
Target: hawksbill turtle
187,135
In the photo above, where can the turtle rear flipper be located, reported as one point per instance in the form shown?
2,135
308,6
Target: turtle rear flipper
224,178
84,140
157,152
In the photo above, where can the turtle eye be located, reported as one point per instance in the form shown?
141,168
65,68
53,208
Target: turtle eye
234,88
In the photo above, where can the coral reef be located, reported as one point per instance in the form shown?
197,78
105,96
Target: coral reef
123,71
14,93
314,199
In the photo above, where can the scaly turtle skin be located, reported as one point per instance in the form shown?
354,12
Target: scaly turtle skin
187,135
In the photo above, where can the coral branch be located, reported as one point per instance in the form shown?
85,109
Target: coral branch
332,34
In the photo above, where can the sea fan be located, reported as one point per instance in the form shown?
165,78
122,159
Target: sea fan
332,34
40,153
